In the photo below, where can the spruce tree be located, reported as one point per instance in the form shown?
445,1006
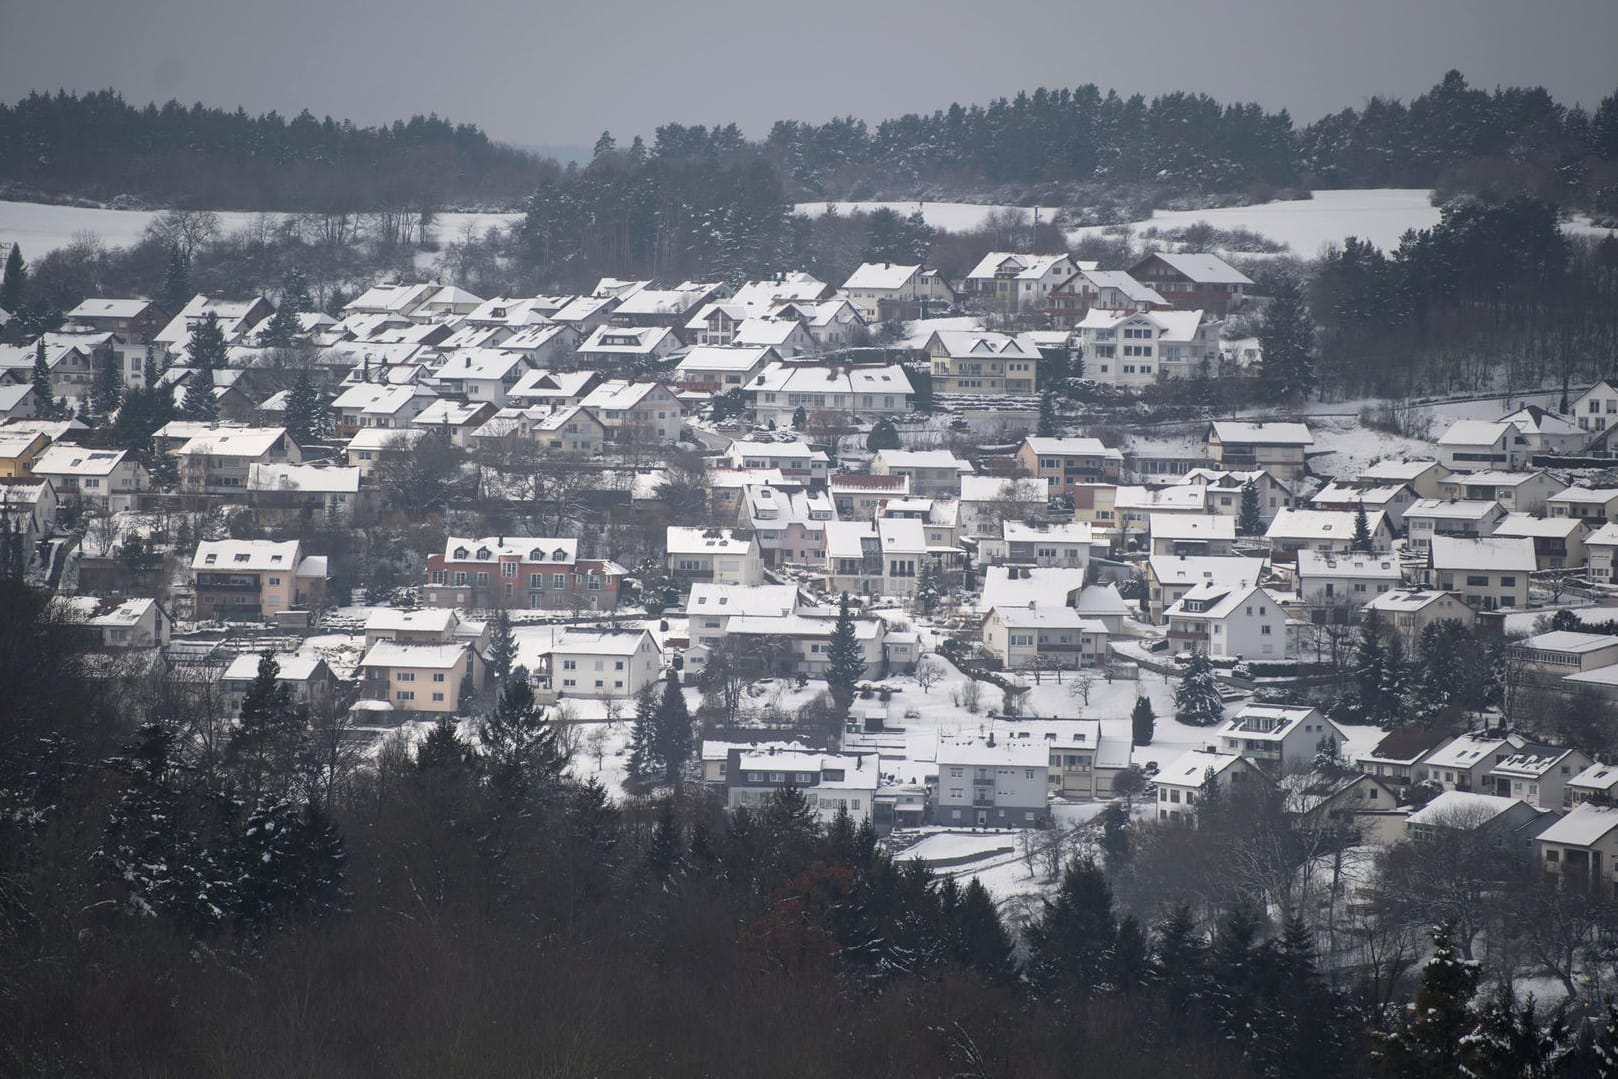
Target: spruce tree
306,411
645,764
845,660
1369,660
1071,941
675,739
1142,721
522,751
290,863
443,747
1179,960
884,436
1197,700
1047,415
1251,520
981,940
1433,1038
283,328
665,853
502,648
176,290
14,283
266,748
927,586
44,399
1288,336
1362,532
207,350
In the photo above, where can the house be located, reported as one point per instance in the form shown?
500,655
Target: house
1182,534
1279,739
1538,774
559,431
446,305
1517,492
1326,531
780,391
481,375
1083,761
425,625
370,445
520,571
1012,282
1228,622
1325,579
1546,432
1597,783
1095,503
603,663
419,677
1278,448
1422,477
1465,763
797,642
832,324
1595,506
1044,638
710,607
725,556
1399,755
636,413
553,388
983,363
1581,849
455,420
990,784
1193,280
294,492
107,479
1393,500
831,783
1182,782
1596,408
1169,577
1487,818
881,557
786,337
1225,490
18,402
305,675
219,458
862,497
1022,544
719,369
1559,542
544,347
1410,611
1602,548
1333,800
251,580
1024,586
115,625
1131,349
1489,574
31,507
883,291
931,472
237,319
1064,463
791,525
798,461
1559,653
987,502
608,347
1134,507
371,404
133,319
1108,290
399,300
18,451
1463,518
1482,446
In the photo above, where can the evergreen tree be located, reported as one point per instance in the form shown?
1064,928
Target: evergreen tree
927,586
1251,521
1288,336
1362,532
107,388
1197,701
44,399
981,940
1115,832
665,854
1071,941
1370,659
1237,971
307,412
1433,1038
502,648
1142,721
1047,415
207,351
845,660
270,738
522,751
1179,961
884,436
14,283
443,747
176,290
675,739
199,402
645,764
283,328
290,863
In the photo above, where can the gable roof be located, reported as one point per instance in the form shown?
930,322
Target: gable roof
1204,269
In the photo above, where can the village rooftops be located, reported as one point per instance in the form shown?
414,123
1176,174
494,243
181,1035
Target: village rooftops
600,642
1470,750
881,276
1532,761
722,599
294,666
1265,722
425,620
1072,447
1495,554
1585,825
708,540
1460,809
251,556
550,549
426,656
1258,433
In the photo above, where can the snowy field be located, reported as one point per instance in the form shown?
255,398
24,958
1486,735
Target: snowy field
950,216
40,228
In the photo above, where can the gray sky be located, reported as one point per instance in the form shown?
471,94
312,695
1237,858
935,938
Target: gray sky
561,72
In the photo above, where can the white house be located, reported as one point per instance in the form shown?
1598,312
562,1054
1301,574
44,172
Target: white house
1559,542
1013,281
780,390
1228,622
1280,448
930,472
1466,518
1182,534
1517,492
1423,477
1324,579
1602,545
636,412
1182,781
1596,408
1279,739
724,556
1326,531
1538,774
603,663
1595,505
881,291
1411,610
992,784
831,783
1465,763
1482,446
1489,574
1049,637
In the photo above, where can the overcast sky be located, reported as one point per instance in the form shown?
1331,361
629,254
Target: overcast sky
561,72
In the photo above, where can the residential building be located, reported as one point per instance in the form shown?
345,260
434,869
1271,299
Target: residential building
1429,517
1482,446
370,445
120,624
881,557
982,363
1228,622
1131,349
219,459
419,677
719,369
1558,653
1489,574
1602,548
1598,784
372,404
304,492
1392,500
861,497
831,783
710,607
1193,280
1169,577
798,461
134,320
883,291
1595,506
1108,290
1411,610
1465,763
1361,807
987,502
251,580
1279,739
481,375
609,347
1044,638
106,479
18,452
1182,782
1182,534
1011,282
644,413
1327,579
1278,448
725,556
791,525
932,473
597,663
1423,477
1538,774
1064,463
1398,757
1546,432
1581,849
488,572
1488,819
1559,542
1226,489
305,675
1517,492
1022,544
1326,531
989,784
778,392
1596,409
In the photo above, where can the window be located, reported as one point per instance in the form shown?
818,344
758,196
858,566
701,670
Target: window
508,569
438,676
404,695
404,676
439,697
558,580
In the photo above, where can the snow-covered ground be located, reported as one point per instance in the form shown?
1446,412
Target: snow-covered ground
40,228
950,216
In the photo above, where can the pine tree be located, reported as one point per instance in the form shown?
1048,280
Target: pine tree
665,853
1142,721
522,751
927,586
1362,532
44,399
1251,521
884,436
290,866
1432,1039
206,351
1071,942
1369,660
1179,960
176,290
675,739
981,940
266,746
283,328
1288,336
645,764
1047,416
845,660
107,388
443,747
14,284
307,412
502,648
1197,701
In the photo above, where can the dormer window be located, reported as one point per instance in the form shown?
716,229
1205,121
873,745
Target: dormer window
559,555
460,552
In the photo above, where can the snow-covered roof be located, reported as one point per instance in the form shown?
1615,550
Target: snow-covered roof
827,378
1204,268
547,549
1185,526
1460,808
1300,524
1603,536
1125,283
1472,749
1046,618
246,555
1407,601
550,384
722,599
229,441
1584,825
318,479
424,620
1526,524
1081,532
1532,760
427,656
881,276
1568,641
1356,566
723,358
1024,267
1398,471
627,340
1597,777
600,642
986,344
385,438
1018,586
924,459
1494,553
1006,752
295,667
68,460
1190,769
1180,498
682,540
479,364
1475,433
1199,569
107,307
1259,433
1453,509
1586,496
1072,447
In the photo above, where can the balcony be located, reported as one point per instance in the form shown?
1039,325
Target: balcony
1188,635
983,781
